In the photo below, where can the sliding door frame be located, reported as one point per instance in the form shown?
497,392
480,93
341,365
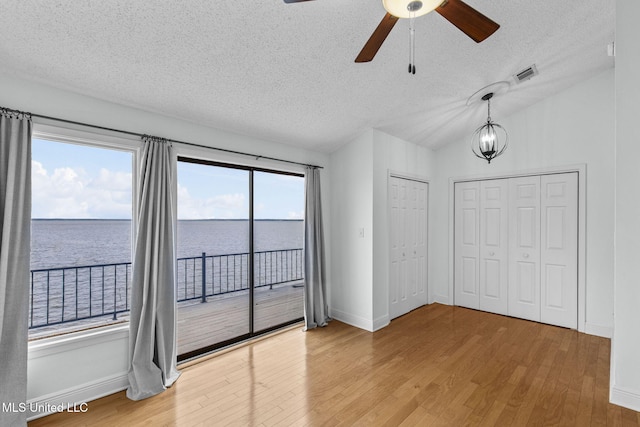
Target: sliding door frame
252,332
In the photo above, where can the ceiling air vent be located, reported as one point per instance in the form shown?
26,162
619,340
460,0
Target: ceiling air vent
526,74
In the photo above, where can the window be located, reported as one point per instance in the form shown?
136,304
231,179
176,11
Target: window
239,248
81,232
240,262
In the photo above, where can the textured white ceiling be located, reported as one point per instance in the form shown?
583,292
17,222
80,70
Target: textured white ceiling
286,72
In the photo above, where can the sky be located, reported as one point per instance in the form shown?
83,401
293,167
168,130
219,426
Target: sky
76,181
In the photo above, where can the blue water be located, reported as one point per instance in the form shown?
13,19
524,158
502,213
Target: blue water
66,243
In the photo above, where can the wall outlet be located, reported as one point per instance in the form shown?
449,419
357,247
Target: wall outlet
361,232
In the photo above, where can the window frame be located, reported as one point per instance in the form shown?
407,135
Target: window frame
78,135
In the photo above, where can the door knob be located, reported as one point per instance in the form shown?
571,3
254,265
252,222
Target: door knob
525,255
492,253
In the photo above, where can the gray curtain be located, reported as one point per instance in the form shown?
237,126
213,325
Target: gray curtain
152,341
15,247
316,312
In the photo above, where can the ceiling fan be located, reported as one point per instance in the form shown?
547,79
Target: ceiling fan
467,19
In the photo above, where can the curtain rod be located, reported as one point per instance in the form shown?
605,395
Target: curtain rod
256,156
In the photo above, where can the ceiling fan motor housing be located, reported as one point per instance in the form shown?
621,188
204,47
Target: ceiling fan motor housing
410,8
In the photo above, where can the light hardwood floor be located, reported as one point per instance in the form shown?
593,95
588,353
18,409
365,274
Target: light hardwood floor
438,365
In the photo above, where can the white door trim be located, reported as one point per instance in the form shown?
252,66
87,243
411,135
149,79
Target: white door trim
581,169
409,177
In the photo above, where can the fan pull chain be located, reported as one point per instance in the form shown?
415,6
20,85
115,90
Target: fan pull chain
412,46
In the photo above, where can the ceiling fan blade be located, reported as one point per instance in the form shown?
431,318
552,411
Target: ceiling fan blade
295,1
467,19
377,38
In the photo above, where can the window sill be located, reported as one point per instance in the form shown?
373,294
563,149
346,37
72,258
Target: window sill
76,340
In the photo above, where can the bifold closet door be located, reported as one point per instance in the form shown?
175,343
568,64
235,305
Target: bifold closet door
467,244
408,266
516,247
494,245
559,249
524,247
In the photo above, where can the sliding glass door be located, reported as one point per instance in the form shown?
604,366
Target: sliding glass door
278,260
213,247
239,253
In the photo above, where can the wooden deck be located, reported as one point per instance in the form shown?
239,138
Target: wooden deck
227,316
221,318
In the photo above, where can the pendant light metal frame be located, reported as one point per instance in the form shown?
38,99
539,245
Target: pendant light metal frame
489,127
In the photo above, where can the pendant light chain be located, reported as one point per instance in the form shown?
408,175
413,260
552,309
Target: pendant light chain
412,44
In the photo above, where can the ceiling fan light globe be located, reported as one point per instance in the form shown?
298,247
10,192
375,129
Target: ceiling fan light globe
406,8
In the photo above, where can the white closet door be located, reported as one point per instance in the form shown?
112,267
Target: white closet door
494,245
408,239
467,244
524,248
559,249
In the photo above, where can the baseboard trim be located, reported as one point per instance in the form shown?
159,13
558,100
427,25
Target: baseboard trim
598,330
75,399
624,397
381,322
353,320
441,299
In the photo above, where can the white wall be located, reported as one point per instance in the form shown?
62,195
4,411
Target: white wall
394,155
77,367
351,211
88,365
360,274
625,356
576,126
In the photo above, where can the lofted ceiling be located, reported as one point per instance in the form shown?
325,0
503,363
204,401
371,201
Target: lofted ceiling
286,72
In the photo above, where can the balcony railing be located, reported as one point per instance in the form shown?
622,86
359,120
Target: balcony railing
68,294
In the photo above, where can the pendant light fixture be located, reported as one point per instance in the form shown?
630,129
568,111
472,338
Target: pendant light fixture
489,140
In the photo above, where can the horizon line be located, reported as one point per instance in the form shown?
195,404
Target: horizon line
179,219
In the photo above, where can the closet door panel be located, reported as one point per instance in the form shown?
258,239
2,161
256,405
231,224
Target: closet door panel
408,240
524,248
559,249
399,277
467,244
494,248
